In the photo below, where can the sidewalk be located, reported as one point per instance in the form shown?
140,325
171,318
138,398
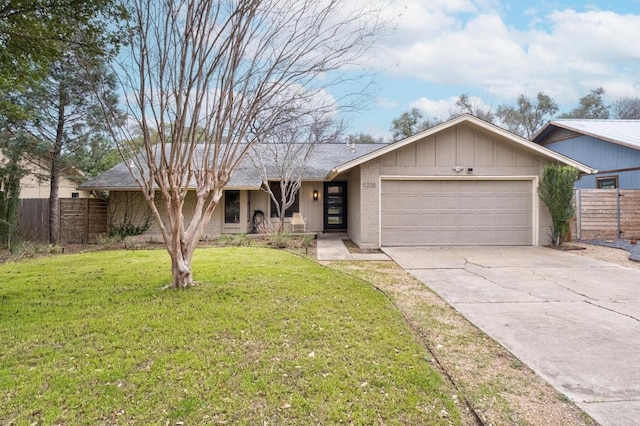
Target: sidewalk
331,247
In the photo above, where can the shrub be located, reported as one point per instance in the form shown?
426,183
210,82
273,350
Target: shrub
127,228
556,191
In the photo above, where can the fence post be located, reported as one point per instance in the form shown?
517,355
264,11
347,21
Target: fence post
578,214
618,205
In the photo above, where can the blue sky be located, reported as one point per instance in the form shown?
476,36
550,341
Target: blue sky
495,50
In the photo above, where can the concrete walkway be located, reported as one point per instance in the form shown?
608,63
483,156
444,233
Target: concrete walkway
330,247
575,321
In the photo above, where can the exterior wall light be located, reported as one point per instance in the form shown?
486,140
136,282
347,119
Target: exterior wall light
315,195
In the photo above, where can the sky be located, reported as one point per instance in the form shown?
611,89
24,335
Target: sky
496,50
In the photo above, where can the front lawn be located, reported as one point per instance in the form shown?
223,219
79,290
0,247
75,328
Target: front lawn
267,338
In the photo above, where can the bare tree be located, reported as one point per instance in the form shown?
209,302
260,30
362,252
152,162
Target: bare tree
627,108
283,158
474,106
212,78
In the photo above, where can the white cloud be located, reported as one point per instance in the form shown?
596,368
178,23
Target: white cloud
434,108
468,43
442,109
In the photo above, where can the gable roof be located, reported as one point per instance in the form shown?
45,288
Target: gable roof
322,158
475,121
621,132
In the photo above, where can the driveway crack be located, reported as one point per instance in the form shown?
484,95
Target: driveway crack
466,262
544,277
613,310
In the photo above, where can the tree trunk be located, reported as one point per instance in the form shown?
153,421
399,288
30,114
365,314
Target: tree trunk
181,270
54,203
181,247
54,212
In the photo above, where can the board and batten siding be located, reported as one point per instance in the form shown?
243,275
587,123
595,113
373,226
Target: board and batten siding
602,155
437,155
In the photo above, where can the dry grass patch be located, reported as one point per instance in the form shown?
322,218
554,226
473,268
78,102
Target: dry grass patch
500,388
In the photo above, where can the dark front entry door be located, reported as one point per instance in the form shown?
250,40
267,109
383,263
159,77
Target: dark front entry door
335,205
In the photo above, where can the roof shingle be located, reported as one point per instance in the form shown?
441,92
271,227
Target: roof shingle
323,158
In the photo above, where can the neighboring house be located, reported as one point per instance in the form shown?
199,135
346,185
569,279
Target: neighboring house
610,146
36,183
463,182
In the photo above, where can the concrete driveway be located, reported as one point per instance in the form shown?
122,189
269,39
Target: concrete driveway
575,321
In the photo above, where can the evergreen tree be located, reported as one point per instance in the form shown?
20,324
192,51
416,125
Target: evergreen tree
67,124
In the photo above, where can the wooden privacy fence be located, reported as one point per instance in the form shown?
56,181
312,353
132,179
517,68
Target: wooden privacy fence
33,220
82,220
607,213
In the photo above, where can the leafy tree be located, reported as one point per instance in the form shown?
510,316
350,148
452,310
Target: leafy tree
409,123
363,138
466,105
590,106
68,108
526,117
35,33
96,156
556,191
215,78
627,108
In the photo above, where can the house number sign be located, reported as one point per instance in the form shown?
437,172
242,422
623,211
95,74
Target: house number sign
369,185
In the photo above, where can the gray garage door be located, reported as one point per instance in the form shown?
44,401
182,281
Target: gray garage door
456,213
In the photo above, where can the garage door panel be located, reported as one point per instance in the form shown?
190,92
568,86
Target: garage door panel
411,220
410,203
445,202
456,213
478,220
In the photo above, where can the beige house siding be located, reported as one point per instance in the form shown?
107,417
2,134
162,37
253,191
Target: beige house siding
437,156
312,210
132,203
370,204
354,211
36,184
32,187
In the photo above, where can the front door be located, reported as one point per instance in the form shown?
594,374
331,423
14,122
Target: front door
335,206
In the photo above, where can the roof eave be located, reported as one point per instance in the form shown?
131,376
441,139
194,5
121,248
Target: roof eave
393,146
137,188
547,153
587,133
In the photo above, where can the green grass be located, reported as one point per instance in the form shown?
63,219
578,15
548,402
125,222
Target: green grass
267,337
